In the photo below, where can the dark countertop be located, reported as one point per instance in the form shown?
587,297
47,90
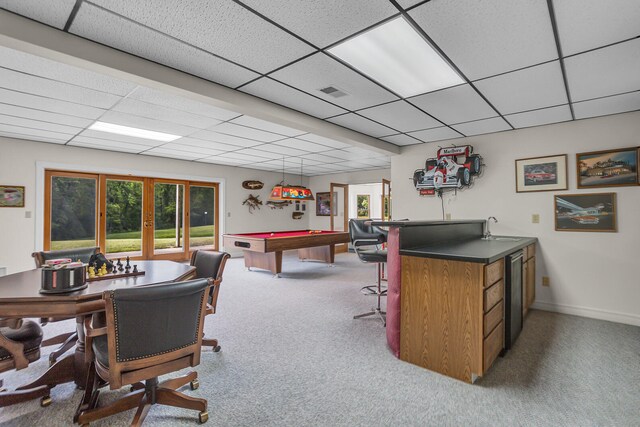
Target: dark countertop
422,223
471,250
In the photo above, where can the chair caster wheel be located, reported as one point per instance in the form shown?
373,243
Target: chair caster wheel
216,348
195,384
203,417
45,401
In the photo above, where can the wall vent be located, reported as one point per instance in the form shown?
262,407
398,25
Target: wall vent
333,91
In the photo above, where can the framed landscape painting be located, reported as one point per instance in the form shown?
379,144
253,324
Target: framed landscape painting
586,212
11,196
541,174
362,205
610,168
322,204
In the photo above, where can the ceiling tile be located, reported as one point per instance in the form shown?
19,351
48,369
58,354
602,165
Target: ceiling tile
324,22
400,115
226,29
49,104
266,126
125,119
46,116
535,87
156,97
105,136
454,105
194,142
172,154
300,144
377,162
38,66
217,160
561,113
319,71
324,141
245,158
245,132
32,137
202,151
35,133
608,71
408,3
345,155
54,13
401,139
37,124
588,24
281,150
157,112
353,165
320,158
436,134
208,135
44,87
107,145
279,93
609,105
361,124
260,155
489,37
111,30
480,127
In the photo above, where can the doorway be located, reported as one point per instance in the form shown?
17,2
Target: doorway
339,216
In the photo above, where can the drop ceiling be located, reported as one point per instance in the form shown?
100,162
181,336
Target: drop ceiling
523,63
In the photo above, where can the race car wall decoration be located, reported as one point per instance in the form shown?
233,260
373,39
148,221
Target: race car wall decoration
454,168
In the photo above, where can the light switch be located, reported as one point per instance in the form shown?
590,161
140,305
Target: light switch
535,218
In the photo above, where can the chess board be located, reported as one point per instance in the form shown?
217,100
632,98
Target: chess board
115,275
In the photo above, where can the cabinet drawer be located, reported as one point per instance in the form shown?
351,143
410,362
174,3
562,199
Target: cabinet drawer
493,272
493,294
493,317
493,345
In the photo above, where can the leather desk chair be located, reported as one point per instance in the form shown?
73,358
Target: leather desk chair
20,345
67,340
150,331
366,240
210,264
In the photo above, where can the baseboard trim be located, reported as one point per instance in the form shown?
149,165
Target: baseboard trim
594,313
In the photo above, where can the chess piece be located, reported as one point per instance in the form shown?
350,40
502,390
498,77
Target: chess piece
135,268
103,269
119,264
128,266
92,272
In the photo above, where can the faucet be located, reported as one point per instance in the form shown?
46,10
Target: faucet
487,233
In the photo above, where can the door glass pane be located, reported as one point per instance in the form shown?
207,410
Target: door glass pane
73,212
201,217
339,209
168,218
124,218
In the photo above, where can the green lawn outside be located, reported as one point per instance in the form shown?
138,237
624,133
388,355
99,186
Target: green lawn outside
130,241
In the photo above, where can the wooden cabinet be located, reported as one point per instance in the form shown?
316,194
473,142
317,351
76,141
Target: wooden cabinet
452,315
528,278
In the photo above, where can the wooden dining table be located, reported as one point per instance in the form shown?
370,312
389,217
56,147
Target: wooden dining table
20,297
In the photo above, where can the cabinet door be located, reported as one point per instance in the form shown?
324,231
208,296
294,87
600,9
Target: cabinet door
525,288
530,296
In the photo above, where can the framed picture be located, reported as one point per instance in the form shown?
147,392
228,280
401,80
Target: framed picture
586,212
541,174
11,196
322,204
362,205
610,168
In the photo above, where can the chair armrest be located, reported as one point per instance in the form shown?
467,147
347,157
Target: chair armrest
90,333
16,349
11,323
365,242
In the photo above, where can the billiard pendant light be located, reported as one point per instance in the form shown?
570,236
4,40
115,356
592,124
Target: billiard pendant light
284,191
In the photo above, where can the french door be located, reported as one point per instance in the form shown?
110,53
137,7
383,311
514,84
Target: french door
338,207
138,217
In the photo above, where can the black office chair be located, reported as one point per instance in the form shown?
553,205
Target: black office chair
210,265
69,339
151,331
366,240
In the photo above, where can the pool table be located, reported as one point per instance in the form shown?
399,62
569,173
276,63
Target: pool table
264,250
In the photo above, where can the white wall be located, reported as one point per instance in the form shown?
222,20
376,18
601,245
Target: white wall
591,274
322,183
18,160
374,191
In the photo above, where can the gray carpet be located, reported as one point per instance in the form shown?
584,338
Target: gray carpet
293,356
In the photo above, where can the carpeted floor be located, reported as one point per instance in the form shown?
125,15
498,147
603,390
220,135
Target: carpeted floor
293,356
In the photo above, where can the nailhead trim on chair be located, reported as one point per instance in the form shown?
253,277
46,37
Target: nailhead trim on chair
115,318
28,350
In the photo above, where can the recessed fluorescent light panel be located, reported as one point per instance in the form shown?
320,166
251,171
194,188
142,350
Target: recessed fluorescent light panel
129,131
396,56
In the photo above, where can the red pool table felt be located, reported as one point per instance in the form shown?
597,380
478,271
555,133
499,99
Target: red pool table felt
280,234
